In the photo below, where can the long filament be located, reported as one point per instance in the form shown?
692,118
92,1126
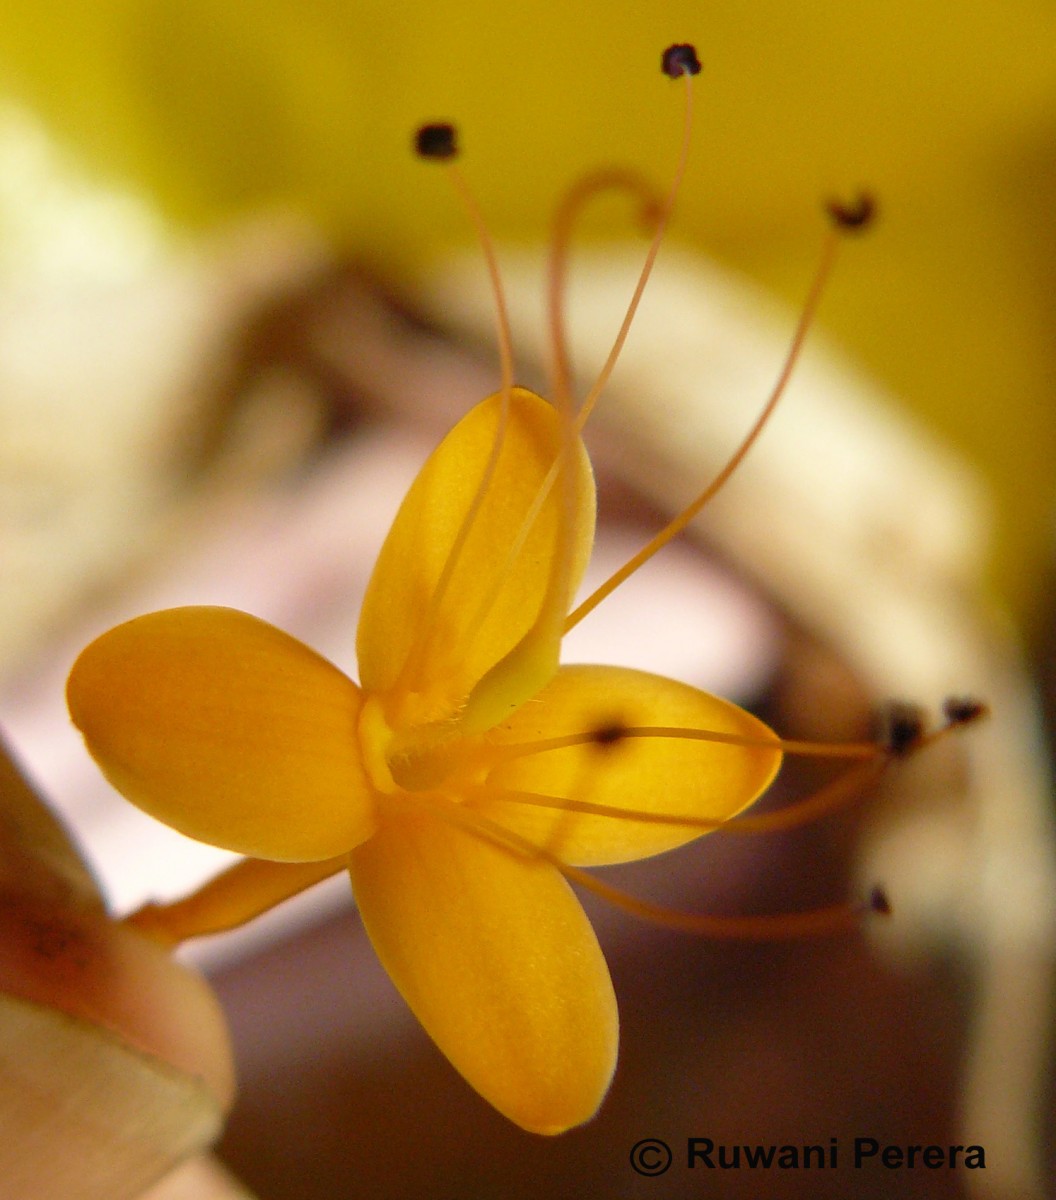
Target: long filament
660,213
675,527
512,750
571,205
833,919
419,651
491,258
662,222
829,798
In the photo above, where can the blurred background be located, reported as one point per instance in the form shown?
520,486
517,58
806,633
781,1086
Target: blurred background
230,329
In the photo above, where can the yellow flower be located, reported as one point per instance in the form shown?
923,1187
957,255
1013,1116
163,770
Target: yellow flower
432,775
467,777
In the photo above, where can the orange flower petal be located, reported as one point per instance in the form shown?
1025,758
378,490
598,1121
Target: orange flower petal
227,729
498,961
664,775
491,599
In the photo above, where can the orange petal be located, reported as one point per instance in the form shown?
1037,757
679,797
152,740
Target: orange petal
498,961
664,775
491,600
227,729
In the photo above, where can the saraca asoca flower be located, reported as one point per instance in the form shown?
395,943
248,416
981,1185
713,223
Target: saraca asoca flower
468,776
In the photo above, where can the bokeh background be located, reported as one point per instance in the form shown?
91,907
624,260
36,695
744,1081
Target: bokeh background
201,120
213,110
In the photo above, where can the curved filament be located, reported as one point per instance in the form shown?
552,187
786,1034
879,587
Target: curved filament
651,207
511,750
814,923
675,527
662,220
827,799
419,651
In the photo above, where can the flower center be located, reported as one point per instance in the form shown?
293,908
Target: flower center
420,758
375,739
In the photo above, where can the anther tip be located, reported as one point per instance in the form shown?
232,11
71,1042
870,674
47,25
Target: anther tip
902,727
962,710
878,902
436,141
855,215
680,59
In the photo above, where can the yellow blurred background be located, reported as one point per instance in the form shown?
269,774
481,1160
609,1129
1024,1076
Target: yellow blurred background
947,113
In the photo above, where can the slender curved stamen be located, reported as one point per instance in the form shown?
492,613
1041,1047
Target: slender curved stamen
850,786
516,546
675,527
491,258
660,214
818,922
535,657
814,923
512,750
420,649
662,222
569,208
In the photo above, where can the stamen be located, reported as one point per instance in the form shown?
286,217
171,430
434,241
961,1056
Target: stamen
856,216
850,786
675,527
902,732
607,735
962,710
662,221
838,918
436,141
535,657
879,903
439,141
680,59
246,890
770,927
875,758
651,207
540,637
904,724
901,728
